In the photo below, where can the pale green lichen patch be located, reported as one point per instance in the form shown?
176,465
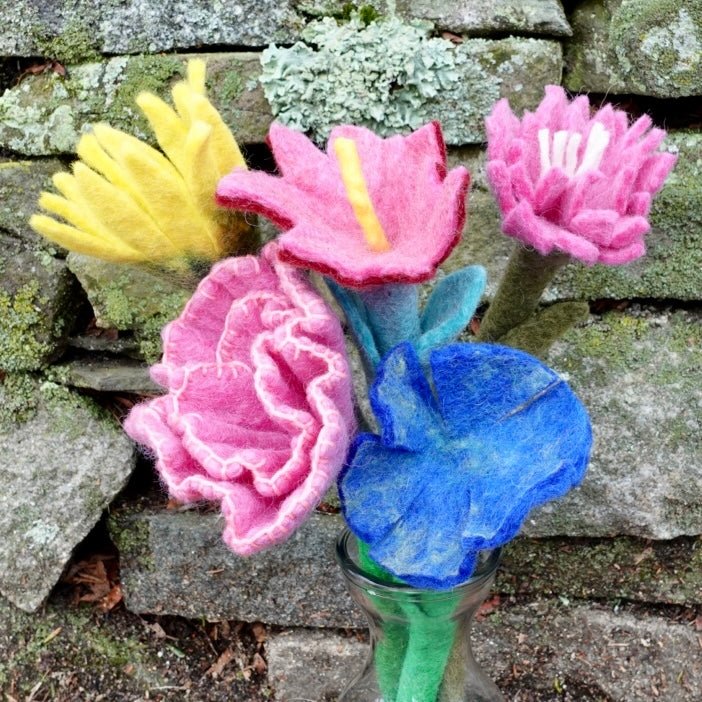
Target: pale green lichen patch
394,76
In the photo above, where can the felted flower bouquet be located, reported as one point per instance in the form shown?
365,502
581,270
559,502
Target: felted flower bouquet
258,410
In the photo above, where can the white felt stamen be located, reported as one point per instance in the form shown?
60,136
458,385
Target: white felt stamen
596,144
559,145
544,149
571,161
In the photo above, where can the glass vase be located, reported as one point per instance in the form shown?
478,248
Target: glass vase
420,648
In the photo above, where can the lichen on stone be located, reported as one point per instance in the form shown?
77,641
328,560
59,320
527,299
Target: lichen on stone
22,342
659,45
390,76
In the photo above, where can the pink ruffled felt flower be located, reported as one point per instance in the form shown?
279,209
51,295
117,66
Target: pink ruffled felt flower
577,183
258,414
366,212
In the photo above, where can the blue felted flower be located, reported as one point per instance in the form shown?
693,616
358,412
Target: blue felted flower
383,316
461,462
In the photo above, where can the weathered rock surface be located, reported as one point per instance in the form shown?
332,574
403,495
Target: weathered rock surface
176,563
313,665
130,298
624,568
498,16
75,28
38,299
107,375
542,650
671,268
639,373
393,76
646,47
69,30
62,461
20,185
46,114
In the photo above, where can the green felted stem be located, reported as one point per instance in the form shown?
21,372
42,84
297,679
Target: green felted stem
431,638
524,280
542,329
390,648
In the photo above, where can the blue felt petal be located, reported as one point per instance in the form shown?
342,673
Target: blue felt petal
357,318
377,486
476,383
515,436
402,401
393,314
450,308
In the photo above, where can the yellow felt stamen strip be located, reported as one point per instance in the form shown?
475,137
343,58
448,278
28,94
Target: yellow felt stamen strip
196,75
357,193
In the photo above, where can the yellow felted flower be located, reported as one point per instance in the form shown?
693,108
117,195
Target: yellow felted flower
130,203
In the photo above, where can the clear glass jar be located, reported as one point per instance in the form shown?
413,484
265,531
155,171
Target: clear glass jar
420,649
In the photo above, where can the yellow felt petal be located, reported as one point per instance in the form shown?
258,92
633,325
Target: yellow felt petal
90,151
224,146
68,210
201,176
169,128
76,240
196,75
118,212
66,184
170,205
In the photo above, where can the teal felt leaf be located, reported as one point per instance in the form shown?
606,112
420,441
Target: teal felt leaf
450,308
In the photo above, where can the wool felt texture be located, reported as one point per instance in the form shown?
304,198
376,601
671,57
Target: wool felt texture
259,414
384,316
417,636
571,182
420,207
128,202
461,461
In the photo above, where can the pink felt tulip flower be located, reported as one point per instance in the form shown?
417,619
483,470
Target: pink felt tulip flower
258,414
366,212
565,180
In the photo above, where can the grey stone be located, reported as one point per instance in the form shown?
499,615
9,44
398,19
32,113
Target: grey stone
394,76
177,563
130,298
46,114
62,461
671,268
498,16
639,373
20,185
306,665
541,650
99,343
107,375
38,304
635,570
71,29
646,47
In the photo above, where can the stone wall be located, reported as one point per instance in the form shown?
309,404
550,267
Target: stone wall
76,333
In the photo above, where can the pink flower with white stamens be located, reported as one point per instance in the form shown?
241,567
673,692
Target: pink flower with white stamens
258,414
568,181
